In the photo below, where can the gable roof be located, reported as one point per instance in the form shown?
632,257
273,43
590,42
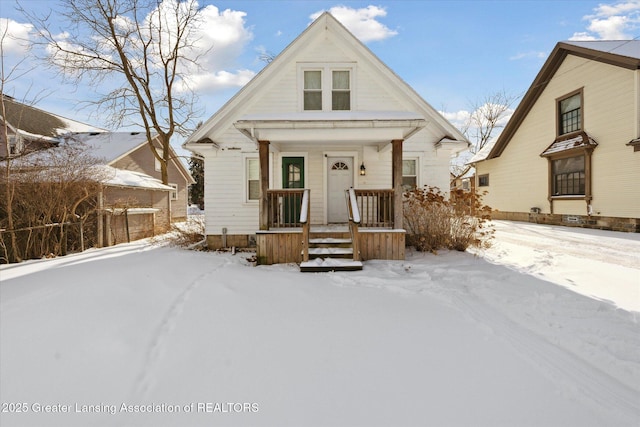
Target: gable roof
35,123
230,112
113,146
620,53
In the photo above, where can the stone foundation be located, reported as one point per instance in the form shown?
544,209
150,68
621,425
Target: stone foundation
599,222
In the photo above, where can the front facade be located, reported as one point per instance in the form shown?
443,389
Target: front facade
325,116
571,152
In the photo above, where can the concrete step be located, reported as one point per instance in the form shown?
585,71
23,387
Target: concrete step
330,264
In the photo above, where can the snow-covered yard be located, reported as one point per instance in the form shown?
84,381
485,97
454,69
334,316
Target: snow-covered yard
540,330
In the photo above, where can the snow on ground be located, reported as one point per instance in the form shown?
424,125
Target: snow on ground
596,263
139,334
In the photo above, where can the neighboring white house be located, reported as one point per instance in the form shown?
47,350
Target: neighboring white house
570,153
325,115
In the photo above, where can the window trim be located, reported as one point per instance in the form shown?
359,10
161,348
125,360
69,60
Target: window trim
326,69
480,179
174,193
559,133
246,161
582,151
417,175
156,163
321,90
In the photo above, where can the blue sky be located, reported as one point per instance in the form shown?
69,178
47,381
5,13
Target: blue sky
453,53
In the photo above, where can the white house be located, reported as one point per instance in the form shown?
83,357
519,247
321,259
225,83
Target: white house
324,116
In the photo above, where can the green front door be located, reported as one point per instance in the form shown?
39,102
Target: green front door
292,177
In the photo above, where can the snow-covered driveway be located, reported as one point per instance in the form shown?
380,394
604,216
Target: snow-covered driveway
144,335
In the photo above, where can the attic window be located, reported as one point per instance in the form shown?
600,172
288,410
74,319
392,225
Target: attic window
313,90
340,93
326,86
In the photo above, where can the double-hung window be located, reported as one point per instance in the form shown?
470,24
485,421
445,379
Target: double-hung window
174,192
312,90
570,113
340,90
253,178
327,87
409,174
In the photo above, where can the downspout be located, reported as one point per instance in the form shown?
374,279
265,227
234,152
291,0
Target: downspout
101,217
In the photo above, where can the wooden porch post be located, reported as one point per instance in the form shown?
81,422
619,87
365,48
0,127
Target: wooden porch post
396,171
263,152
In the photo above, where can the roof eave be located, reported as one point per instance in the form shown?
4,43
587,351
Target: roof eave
557,56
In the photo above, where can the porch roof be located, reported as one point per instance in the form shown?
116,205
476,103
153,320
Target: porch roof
362,127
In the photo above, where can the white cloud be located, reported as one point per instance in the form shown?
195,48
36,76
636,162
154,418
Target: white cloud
582,36
15,36
218,41
457,118
614,21
216,81
531,54
211,47
361,22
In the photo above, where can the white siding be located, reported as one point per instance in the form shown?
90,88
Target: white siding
519,177
280,93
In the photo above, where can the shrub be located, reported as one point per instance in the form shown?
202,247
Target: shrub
433,222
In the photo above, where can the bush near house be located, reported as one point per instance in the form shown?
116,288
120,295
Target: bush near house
433,222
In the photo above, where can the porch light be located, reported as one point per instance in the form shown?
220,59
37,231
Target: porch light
363,170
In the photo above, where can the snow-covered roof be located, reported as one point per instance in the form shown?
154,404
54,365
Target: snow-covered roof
483,153
35,123
125,178
580,141
110,146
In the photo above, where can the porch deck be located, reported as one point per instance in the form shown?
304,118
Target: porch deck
369,234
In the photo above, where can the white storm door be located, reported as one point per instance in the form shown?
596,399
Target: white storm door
340,178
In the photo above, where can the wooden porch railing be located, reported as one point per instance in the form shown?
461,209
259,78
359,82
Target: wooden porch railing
305,220
376,207
285,207
354,221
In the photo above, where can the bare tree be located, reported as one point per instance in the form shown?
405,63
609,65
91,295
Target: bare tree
8,74
487,116
140,51
52,189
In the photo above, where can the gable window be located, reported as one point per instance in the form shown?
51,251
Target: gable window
409,174
313,90
253,178
340,94
326,86
568,176
483,180
570,113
